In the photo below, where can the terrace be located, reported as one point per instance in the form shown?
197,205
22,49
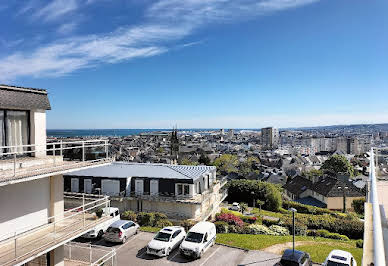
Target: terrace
28,162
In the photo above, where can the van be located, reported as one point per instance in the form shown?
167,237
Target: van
198,239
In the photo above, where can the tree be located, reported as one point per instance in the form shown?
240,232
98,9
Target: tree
313,173
338,164
358,205
226,163
204,159
243,207
246,168
186,161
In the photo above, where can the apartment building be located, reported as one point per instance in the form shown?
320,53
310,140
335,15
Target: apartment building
269,138
34,228
179,191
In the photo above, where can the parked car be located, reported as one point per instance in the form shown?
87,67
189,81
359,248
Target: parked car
235,207
120,231
198,239
295,258
166,240
340,258
98,231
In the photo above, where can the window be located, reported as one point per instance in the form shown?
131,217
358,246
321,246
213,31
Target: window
176,234
14,129
183,189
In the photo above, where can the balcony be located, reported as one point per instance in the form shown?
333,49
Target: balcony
78,254
18,163
18,248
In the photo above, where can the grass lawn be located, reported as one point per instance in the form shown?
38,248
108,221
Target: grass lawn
319,252
150,229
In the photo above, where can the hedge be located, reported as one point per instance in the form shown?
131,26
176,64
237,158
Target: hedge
241,190
129,215
221,227
358,205
303,208
326,234
163,223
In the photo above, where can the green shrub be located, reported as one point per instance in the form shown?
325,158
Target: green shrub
234,229
258,229
281,231
360,243
326,234
221,227
187,224
129,215
303,208
269,222
358,205
241,190
163,223
146,218
159,216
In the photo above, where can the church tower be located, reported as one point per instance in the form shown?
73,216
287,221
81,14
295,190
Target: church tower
174,146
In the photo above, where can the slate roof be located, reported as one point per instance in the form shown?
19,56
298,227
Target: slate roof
12,97
150,170
298,185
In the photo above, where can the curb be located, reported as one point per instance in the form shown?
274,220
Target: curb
229,246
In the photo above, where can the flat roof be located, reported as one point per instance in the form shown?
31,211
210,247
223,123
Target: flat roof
150,170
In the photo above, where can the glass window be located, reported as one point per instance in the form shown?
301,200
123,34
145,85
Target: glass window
161,236
16,127
180,189
186,189
194,237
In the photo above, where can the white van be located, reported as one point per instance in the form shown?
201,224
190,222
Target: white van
198,239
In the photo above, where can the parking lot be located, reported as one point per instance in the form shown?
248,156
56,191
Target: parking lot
133,252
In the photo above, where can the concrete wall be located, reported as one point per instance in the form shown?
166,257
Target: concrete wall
38,131
56,197
24,204
336,203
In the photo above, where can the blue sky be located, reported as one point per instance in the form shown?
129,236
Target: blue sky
200,63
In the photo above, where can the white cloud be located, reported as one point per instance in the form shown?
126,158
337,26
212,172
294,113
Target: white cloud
56,9
166,21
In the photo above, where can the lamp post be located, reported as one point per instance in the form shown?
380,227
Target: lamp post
344,188
293,229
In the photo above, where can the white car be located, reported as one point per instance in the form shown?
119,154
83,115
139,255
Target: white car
166,240
199,239
235,207
98,231
340,258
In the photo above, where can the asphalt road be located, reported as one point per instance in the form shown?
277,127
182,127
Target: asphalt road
133,252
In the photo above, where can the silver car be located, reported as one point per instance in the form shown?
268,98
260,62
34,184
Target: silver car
120,231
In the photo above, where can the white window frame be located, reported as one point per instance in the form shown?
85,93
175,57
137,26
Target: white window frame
183,189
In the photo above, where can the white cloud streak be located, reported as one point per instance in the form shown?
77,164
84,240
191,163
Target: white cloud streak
165,21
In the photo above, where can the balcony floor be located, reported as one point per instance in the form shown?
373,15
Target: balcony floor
45,238
30,167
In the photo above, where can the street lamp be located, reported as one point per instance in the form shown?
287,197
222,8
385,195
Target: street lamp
253,199
344,188
293,210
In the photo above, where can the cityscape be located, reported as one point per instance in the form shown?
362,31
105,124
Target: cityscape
198,132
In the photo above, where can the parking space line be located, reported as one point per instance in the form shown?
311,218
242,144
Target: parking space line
177,252
129,241
203,263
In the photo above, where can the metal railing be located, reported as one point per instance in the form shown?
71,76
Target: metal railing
83,253
378,241
16,160
27,241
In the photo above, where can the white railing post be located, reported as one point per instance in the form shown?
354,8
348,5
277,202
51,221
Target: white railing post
61,148
70,252
54,153
90,255
378,242
14,164
15,246
106,149
83,208
83,151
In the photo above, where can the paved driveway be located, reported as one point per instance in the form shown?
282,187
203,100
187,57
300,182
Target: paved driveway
133,252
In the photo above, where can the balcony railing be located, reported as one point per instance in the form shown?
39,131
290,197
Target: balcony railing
87,254
51,157
24,243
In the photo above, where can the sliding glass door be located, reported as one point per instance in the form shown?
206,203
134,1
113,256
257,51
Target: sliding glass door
14,130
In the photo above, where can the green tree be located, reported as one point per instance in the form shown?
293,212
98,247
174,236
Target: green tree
186,161
338,164
246,168
226,163
243,207
313,173
358,205
204,159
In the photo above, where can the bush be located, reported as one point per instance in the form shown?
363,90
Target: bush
258,229
241,190
358,205
234,229
229,218
249,219
281,231
326,234
129,215
146,218
303,208
360,243
163,223
159,216
221,227
269,222
187,224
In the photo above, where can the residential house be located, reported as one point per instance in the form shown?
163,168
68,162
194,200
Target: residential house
179,191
